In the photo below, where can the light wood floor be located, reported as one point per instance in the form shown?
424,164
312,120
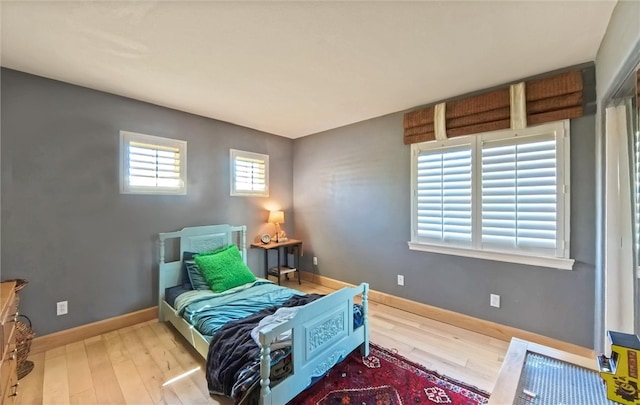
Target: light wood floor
130,365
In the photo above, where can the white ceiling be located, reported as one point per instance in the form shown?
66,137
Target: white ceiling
297,68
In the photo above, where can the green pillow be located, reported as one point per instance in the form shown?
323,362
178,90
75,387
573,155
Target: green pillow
224,269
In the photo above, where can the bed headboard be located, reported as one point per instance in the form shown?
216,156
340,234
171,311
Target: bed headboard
197,239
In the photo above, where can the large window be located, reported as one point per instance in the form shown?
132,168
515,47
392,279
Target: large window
249,174
152,165
502,196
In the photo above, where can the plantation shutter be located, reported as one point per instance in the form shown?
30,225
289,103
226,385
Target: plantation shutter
519,194
153,166
250,174
444,195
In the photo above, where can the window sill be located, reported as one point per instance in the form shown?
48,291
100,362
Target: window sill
147,191
552,262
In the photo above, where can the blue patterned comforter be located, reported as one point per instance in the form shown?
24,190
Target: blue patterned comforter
209,311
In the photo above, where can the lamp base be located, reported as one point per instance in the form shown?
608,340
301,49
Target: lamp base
280,236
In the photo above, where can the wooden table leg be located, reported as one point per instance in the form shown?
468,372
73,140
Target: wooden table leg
278,266
266,264
298,249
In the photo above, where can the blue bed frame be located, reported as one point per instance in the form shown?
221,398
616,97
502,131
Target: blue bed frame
322,331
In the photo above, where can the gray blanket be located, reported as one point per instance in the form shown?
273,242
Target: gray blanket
233,361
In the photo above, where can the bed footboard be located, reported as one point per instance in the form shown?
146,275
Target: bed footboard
323,334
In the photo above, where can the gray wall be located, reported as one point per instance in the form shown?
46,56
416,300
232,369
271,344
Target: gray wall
352,207
68,230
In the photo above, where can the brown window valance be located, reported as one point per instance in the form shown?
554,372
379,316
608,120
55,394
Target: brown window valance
552,98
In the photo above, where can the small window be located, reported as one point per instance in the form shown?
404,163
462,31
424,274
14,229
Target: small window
152,165
249,174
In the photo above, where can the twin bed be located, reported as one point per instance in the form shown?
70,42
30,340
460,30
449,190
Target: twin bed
263,343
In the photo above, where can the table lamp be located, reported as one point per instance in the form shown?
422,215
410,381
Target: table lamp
277,218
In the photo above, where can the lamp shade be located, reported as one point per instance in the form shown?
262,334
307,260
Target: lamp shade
276,217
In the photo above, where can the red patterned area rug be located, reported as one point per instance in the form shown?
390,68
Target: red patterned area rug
386,378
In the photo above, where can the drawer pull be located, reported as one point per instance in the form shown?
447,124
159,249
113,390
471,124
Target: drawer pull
15,392
14,352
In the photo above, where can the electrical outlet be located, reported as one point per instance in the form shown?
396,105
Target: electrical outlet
400,279
315,260
495,300
61,308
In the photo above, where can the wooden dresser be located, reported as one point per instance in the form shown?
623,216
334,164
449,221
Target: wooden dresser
8,316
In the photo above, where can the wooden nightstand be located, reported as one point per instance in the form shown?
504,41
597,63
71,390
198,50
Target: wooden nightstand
280,269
